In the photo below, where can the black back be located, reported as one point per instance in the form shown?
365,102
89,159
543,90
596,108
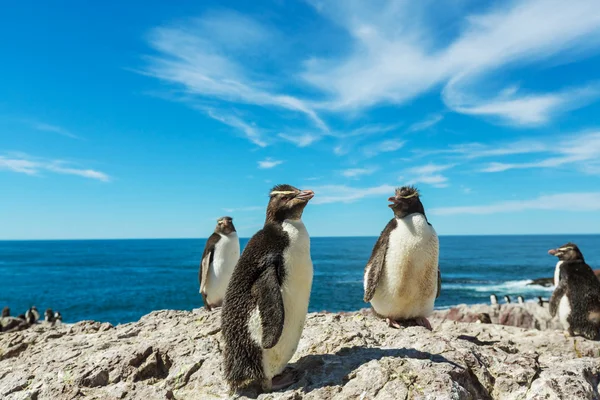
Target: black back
209,251
582,288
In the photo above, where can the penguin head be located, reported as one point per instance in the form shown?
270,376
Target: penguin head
287,202
6,312
406,201
567,252
225,226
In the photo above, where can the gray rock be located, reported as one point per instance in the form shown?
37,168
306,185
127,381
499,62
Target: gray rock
177,355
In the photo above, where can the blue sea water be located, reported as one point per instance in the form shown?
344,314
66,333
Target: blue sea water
121,280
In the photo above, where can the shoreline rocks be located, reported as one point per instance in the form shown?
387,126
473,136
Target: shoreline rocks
177,355
547,282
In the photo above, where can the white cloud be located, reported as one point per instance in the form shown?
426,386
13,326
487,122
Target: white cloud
577,202
301,140
347,194
269,163
428,174
206,58
397,54
386,146
243,209
254,134
356,172
580,150
40,126
426,123
33,166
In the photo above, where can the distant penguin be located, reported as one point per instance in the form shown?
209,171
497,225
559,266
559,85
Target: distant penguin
57,317
576,299
221,253
540,301
507,299
49,316
6,312
32,316
267,298
520,300
484,318
402,278
493,299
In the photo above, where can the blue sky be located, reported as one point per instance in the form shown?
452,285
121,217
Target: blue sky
147,119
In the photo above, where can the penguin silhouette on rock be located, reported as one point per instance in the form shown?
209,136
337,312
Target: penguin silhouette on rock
266,301
576,299
402,278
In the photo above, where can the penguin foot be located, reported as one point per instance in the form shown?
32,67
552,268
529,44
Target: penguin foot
288,377
394,324
424,322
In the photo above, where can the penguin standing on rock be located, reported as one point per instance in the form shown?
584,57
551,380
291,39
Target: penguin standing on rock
402,278
49,316
493,300
267,298
520,300
221,253
576,299
507,299
32,315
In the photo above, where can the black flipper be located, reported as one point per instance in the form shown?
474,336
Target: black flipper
558,293
207,259
376,263
267,292
439,288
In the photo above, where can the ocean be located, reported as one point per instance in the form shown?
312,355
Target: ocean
120,280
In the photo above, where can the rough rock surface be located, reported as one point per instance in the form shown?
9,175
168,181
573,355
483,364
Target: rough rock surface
547,282
177,355
529,315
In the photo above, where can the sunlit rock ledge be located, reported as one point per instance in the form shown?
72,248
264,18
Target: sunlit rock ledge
177,355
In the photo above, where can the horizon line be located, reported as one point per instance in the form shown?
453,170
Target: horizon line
313,237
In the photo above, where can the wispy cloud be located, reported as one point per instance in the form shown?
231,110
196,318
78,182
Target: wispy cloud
34,166
347,194
577,202
40,126
254,134
207,57
580,150
426,123
396,55
428,174
357,172
300,140
268,163
385,146
243,209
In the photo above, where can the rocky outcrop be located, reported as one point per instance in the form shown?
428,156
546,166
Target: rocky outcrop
529,315
177,355
547,282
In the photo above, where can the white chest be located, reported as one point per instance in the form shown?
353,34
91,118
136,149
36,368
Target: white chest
296,294
227,251
557,273
564,310
413,241
408,286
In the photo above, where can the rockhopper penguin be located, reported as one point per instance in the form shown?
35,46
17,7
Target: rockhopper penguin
267,298
221,253
576,298
402,278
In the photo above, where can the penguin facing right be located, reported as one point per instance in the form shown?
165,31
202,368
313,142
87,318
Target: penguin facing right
576,299
221,253
267,298
402,278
